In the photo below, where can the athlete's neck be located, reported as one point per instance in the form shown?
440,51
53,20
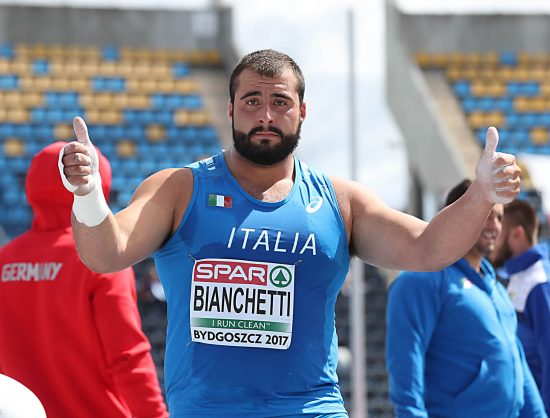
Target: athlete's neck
474,260
268,183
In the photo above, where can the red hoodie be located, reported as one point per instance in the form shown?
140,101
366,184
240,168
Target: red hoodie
71,336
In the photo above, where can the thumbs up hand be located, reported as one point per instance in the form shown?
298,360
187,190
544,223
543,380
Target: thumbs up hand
79,163
497,172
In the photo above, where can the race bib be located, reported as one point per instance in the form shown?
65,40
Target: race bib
242,303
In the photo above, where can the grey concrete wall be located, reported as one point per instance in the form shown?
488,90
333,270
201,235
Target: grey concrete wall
169,29
430,149
515,32
432,155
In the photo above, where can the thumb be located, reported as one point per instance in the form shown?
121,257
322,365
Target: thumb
81,131
491,142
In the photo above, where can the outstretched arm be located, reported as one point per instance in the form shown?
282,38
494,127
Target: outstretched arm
108,242
388,238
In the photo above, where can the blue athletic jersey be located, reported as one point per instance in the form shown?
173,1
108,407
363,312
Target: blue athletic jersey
251,288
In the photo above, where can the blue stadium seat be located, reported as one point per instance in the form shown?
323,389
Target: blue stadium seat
6,51
9,82
508,59
40,67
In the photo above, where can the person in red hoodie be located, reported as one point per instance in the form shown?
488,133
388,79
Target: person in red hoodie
72,336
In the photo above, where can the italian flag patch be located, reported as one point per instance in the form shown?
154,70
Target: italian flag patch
219,201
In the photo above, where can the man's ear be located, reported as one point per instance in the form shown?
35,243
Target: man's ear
303,111
230,111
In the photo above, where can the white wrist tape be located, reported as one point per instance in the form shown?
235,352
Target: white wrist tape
91,209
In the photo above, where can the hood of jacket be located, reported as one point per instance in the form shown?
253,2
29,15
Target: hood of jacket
50,201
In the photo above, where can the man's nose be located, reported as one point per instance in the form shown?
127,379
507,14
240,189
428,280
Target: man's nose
265,116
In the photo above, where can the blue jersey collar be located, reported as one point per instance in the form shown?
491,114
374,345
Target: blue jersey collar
484,280
528,258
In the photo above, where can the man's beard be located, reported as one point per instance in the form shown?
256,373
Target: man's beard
503,254
264,153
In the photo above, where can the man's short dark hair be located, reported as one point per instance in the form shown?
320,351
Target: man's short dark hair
522,213
268,63
456,192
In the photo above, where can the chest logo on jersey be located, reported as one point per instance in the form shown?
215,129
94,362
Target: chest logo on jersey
242,303
314,205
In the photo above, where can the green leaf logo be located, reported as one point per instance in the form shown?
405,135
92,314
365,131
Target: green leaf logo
280,276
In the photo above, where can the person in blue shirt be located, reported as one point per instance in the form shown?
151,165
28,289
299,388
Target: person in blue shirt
252,247
452,349
525,263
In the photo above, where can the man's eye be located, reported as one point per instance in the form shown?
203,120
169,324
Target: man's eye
252,102
280,103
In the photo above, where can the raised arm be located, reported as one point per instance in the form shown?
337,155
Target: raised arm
388,238
108,242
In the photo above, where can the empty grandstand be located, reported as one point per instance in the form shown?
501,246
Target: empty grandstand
452,74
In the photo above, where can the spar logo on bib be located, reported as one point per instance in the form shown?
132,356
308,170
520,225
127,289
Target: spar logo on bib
242,303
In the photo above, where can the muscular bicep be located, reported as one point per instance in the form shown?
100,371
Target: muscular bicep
153,212
378,234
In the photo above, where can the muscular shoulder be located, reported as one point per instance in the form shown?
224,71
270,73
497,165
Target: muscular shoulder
169,190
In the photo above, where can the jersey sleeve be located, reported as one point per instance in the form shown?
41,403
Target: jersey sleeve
125,346
413,305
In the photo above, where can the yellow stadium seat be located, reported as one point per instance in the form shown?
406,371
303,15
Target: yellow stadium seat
199,118
103,100
490,58
161,71
181,117
506,74
21,67
476,120
478,89
107,69
86,100
521,104
63,132
5,66
81,85
166,86
22,51
537,73
139,101
496,119
60,84
537,104
92,116
539,136
42,83
496,89
27,84
133,85
111,117
120,101
521,74
142,69
12,99
126,149
125,69
454,73
213,57
14,147
17,115
2,114
185,86
155,133
89,68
